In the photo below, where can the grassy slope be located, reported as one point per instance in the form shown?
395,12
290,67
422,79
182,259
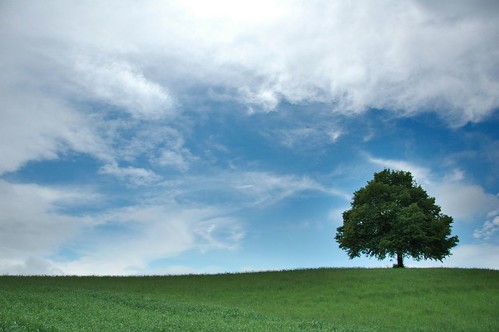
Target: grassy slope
325,299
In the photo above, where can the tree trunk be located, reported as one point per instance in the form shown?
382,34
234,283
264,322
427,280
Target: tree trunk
400,260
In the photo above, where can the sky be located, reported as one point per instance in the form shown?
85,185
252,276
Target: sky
173,137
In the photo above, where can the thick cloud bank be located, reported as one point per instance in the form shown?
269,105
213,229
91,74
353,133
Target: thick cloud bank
409,57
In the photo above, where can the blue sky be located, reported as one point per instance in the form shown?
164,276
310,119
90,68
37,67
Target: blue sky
182,137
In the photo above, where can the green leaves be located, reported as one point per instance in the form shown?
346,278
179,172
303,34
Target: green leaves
392,215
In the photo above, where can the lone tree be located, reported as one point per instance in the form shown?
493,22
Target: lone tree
393,216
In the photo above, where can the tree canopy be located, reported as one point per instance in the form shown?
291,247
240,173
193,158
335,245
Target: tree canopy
394,216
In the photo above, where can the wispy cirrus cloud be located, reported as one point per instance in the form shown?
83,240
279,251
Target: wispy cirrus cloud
243,189
134,175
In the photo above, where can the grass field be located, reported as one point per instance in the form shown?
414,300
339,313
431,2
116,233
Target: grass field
301,300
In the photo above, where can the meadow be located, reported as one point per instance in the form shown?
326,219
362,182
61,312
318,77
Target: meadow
299,300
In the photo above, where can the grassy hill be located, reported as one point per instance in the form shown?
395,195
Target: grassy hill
300,300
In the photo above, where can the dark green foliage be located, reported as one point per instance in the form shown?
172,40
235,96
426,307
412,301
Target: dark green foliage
303,300
393,216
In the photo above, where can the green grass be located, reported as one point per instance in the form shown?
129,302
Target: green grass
302,300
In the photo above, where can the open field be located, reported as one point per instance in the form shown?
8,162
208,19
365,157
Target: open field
301,300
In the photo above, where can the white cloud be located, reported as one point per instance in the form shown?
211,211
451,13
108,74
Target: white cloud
36,234
31,266
475,256
52,71
173,159
243,189
464,201
461,200
264,98
421,174
143,234
252,12
119,83
366,54
307,137
489,229
296,137
134,175
356,55
266,188
36,127
65,54
484,256
334,135
173,154
219,233
30,222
